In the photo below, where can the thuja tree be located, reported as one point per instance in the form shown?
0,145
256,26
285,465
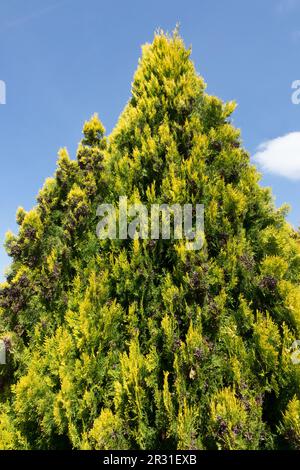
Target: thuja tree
143,344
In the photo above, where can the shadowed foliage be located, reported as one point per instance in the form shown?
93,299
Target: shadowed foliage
122,344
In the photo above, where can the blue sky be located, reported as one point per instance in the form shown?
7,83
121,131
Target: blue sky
62,60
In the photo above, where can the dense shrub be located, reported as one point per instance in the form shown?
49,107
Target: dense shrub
144,344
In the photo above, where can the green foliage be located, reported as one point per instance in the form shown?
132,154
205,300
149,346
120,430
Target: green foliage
144,344
290,427
236,424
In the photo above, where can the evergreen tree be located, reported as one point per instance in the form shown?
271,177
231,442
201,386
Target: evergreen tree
122,344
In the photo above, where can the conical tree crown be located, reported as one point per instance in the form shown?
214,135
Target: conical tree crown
154,131
126,344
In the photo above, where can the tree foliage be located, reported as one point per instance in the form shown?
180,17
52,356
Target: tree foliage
121,344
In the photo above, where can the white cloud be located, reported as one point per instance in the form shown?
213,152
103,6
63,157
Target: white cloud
281,156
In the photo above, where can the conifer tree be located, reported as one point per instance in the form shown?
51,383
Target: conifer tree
143,344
